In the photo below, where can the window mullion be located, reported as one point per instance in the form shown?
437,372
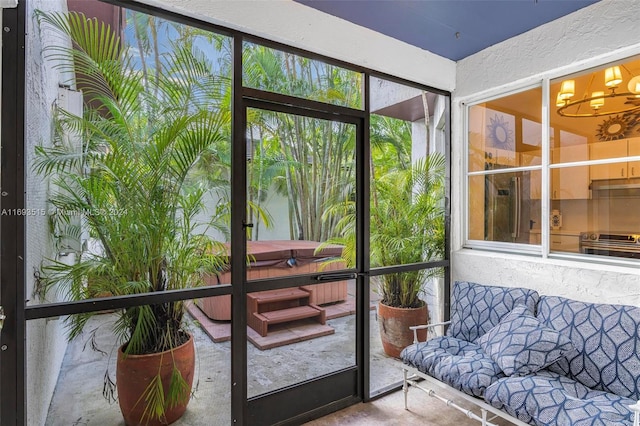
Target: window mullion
546,172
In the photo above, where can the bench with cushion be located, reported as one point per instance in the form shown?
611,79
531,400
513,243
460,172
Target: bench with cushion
532,359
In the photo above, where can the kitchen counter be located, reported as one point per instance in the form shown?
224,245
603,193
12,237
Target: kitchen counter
565,232
557,232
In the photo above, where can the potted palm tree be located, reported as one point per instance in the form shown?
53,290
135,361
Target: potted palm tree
126,174
407,226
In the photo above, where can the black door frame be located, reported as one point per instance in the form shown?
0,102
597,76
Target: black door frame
338,389
12,224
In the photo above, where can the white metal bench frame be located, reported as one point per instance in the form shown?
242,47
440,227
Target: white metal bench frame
412,377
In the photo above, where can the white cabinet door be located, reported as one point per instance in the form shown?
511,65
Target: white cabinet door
533,158
505,157
612,149
567,243
570,182
633,167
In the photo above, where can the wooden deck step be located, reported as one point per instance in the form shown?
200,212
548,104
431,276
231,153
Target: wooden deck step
292,314
278,295
264,319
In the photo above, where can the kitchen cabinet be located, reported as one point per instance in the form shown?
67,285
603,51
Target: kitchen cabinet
565,242
570,182
633,149
535,238
611,149
534,158
531,158
505,157
500,158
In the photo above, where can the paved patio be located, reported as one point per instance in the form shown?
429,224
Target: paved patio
78,398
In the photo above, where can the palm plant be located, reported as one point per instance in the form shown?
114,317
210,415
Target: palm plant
407,226
315,158
141,134
407,223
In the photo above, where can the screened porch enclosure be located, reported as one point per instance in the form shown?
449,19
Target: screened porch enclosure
262,171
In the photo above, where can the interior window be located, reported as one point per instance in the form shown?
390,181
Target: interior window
594,165
597,120
505,169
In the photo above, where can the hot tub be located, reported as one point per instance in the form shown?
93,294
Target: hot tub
276,259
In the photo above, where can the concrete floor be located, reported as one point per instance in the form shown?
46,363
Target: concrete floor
389,411
78,398
422,410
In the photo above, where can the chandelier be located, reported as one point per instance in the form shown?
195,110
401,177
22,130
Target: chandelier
599,102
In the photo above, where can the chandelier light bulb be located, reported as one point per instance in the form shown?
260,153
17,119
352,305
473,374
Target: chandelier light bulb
567,89
612,76
597,100
634,85
591,99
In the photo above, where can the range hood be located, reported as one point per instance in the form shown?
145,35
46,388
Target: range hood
615,187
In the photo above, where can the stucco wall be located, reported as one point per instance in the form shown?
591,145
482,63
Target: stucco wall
275,205
46,341
603,32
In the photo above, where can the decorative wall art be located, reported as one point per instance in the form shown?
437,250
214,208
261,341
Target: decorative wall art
500,133
613,128
620,126
634,116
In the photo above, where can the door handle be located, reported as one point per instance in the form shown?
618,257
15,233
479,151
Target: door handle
2,318
515,207
338,276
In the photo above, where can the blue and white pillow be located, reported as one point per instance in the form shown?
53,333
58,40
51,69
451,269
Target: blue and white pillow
520,344
477,308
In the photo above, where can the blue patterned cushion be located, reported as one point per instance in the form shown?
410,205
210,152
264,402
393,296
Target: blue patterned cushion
461,364
520,345
607,340
476,308
550,399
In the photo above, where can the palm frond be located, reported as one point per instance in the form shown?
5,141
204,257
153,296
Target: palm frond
153,397
179,390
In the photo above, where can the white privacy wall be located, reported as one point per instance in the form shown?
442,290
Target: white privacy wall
46,340
605,31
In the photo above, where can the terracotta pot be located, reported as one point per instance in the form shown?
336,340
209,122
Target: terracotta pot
135,372
394,327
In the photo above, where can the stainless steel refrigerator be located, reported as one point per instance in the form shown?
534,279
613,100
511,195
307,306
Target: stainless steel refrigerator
507,208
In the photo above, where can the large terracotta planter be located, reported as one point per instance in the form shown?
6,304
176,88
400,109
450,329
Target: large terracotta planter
394,327
135,372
